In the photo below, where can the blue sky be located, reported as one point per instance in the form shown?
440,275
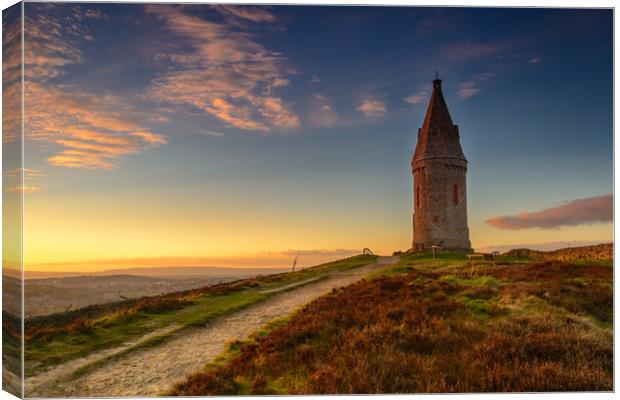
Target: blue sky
262,129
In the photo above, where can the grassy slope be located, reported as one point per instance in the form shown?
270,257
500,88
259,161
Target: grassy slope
442,326
50,342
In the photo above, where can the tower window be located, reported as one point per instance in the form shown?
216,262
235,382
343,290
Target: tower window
455,194
417,196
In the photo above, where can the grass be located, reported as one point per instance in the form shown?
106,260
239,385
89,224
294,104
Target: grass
59,338
425,326
11,354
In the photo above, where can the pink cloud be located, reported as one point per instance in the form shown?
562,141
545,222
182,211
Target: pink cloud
468,89
85,130
372,108
418,97
88,130
21,180
11,77
535,60
225,73
469,51
254,14
598,209
321,112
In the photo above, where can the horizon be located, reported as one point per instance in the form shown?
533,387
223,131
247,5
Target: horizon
250,263
191,132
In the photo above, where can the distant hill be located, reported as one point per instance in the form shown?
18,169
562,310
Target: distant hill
47,294
602,252
163,272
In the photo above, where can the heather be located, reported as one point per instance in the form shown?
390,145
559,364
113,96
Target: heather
426,327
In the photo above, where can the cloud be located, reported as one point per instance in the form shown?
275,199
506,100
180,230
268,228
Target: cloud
24,189
322,252
211,133
535,60
433,25
18,172
268,259
418,97
253,14
372,108
466,51
468,89
414,99
149,137
224,72
11,78
598,209
313,80
472,87
322,112
85,130
12,180
52,38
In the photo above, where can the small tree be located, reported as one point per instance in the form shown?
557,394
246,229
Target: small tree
295,262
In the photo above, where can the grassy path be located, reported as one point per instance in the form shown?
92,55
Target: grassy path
148,370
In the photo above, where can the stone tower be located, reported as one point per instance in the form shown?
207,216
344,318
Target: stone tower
439,181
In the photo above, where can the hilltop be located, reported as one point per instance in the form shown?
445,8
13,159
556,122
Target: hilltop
445,326
599,252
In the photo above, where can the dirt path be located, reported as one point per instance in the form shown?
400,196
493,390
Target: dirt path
151,371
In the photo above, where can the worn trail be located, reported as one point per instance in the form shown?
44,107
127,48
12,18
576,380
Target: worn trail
151,371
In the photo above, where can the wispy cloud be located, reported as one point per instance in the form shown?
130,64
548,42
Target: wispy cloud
598,209
466,51
321,111
314,79
270,259
535,60
433,25
418,97
322,252
12,180
226,74
472,87
211,133
88,130
468,89
253,14
11,78
53,36
372,108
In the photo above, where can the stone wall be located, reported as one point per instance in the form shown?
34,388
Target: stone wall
600,252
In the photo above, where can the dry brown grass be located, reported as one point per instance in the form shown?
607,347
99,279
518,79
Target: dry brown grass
538,327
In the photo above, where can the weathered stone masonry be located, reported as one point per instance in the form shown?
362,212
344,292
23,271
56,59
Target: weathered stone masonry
439,181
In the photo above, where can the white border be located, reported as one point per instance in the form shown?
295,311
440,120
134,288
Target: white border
462,3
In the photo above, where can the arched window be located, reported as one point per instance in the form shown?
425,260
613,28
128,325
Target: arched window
417,196
455,194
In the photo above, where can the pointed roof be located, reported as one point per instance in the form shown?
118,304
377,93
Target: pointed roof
438,137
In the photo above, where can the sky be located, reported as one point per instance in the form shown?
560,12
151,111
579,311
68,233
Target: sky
245,135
